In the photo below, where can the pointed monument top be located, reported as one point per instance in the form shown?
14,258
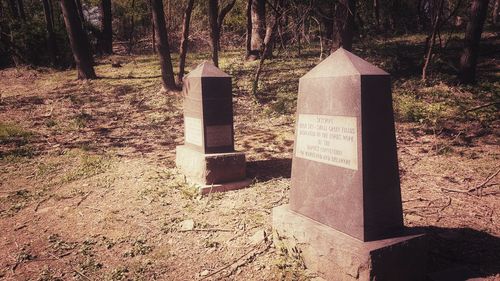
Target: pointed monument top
207,69
343,63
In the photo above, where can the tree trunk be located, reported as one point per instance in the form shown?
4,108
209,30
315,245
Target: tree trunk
320,35
78,40
277,16
376,13
185,39
153,39
106,26
167,72
258,12
432,40
495,12
213,14
20,10
345,12
395,13
51,38
220,18
269,41
80,11
468,60
132,29
249,29
348,31
13,9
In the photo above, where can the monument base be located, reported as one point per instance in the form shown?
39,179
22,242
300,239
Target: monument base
216,172
338,256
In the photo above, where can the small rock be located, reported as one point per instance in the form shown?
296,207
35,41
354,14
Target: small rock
258,237
204,273
187,225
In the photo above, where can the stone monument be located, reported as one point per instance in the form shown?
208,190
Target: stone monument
208,158
345,212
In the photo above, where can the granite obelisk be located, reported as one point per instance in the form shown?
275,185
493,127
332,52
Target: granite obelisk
345,203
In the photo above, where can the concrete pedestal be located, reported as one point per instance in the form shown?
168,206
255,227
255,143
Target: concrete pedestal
216,172
340,257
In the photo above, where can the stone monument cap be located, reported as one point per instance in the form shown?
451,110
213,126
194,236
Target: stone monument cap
343,63
207,69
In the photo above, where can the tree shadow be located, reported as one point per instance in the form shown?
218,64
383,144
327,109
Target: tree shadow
128,77
264,170
460,253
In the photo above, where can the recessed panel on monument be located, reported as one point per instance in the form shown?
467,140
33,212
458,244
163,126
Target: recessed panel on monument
345,171
208,110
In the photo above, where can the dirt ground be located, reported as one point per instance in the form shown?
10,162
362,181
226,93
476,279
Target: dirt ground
89,189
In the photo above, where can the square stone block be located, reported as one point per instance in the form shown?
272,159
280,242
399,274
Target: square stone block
337,256
213,172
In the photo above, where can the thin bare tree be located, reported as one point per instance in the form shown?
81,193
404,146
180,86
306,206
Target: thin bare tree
167,72
51,37
468,60
216,20
78,40
185,40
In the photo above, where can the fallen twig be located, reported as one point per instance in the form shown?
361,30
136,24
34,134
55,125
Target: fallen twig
207,229
83,198
74,269
446,206
482,106
488,179
454,190
264,242
40,202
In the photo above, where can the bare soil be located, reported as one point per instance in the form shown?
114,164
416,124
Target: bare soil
89,189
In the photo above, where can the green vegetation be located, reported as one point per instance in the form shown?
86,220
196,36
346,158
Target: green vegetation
89,166
13,133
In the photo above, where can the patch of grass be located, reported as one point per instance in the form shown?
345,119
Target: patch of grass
89,265
284,104
82,119
44,169
17,154
118,274
171,226
13,133
89,166
139,248
288,264
87,247
57,244
409,108
17,200
50,123
47,275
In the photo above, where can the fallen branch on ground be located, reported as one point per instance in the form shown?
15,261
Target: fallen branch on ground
488,179
83,198
482,106
253,249
74,269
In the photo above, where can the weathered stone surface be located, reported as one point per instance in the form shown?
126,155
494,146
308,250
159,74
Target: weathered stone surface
344,169
207,169
345,212
340,257
208,158
208,110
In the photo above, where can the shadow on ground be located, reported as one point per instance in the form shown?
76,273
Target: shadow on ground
461,253
264,170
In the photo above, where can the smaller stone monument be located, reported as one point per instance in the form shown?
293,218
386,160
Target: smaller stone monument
208,158
345,212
